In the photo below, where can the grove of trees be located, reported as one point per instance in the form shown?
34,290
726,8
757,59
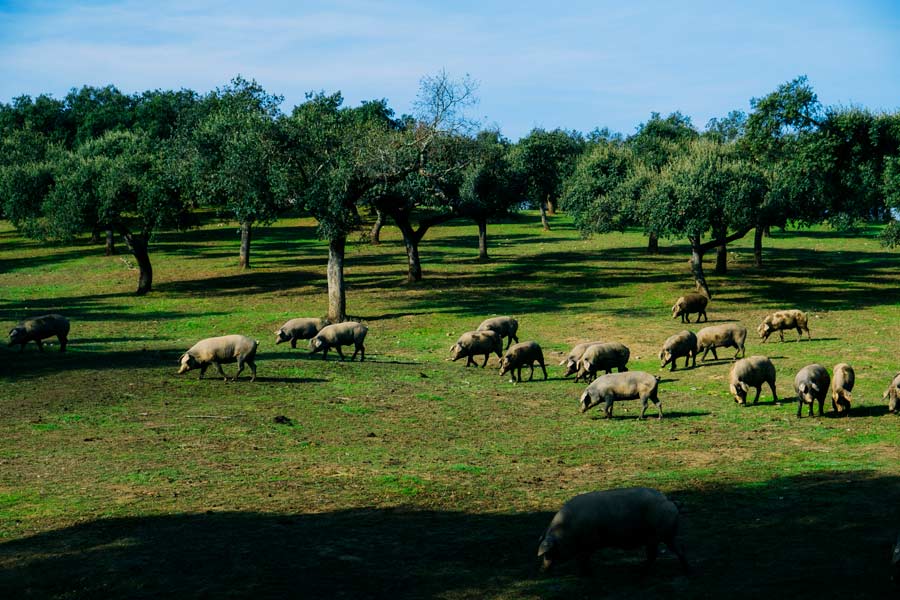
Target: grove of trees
100,160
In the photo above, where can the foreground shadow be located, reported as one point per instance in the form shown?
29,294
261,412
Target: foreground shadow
408,553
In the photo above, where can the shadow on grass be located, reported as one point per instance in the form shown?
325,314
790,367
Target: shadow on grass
90,308
15,365
651,414
409,553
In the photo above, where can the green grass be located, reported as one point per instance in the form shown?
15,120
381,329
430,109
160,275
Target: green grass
412,476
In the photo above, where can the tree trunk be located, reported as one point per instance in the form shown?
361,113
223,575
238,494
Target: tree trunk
551,206
95,235
337,296
110,242
375,235
137,244
544,220
411,239
721,260
246,230
414,272
757,246
697,268
482,239
653,244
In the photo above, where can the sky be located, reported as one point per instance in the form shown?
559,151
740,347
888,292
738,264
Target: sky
581,65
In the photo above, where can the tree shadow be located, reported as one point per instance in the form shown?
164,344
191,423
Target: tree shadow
411,553
651,414
15,365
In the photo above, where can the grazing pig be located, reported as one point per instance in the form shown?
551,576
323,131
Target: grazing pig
602,357
811,385
751,372
893,394
299,329
727,335
841,386
571,361
681,344
37,329
217,350
341,334
521,355
690,303
781,320
506,327
621,518
632,385
476,343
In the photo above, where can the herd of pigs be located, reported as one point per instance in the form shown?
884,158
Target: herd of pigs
618,518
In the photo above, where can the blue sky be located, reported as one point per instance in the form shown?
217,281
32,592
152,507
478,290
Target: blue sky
580,66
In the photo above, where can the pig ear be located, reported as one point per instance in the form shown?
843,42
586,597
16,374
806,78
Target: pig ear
181,358
814,387
745,387
277,332
732,389
546,545
802,387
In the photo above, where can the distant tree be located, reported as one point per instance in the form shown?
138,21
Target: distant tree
429,193
655,143
596,195
491,185
237,158
779,136
707,191
727,129
93,111
333,159
547,158
118,181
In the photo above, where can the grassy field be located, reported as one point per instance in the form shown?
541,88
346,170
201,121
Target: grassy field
411,476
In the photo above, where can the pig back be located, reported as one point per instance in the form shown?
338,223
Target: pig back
754,371
45,326
343,334
226,348
621,518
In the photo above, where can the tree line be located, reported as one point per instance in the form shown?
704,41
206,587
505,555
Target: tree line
100,161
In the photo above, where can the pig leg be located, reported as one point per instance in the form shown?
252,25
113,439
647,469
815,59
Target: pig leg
63,340
240,364
715,356
677,547
644,401
203,370
324,352
519,374
821,405
772,387
469,361
758,392
607,409
221,372
531,375
362,353
340,353
40,345
652,549
486,357
705,318
781,334
252,370
545,371
293,342
799,407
